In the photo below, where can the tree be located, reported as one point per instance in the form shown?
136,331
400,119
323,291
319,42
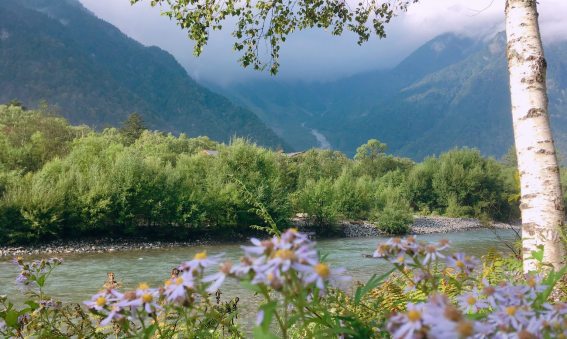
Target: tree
16,103
541,195
371,150
133,127
272,21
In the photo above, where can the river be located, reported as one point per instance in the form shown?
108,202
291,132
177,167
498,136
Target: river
82,275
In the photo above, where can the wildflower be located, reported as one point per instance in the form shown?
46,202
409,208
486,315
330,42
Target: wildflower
145,297
99,301
405,324
261,247
270,276
533,286
113,314
471,302
176,288
399,259
382,251
260,317
200,261
461,261
556,312
320,273
444,244
509,294
513,315
292,236
224,271
23,282
247,263
416,279
432,252
396,244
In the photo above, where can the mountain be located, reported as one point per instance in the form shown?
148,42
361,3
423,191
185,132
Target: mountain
450,92
59,51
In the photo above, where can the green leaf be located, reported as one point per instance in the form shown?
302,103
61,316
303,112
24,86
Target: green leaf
11,319
538,255
260,334
249,286
149,332
269,310
372,283
41,280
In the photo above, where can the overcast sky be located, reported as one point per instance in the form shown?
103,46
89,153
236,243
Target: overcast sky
314,55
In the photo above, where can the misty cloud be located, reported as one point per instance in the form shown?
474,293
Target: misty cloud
315,55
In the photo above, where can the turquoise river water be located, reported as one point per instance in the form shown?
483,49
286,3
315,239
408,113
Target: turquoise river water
82,275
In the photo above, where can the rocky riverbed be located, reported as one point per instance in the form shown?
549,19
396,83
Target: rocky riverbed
422,225
96,246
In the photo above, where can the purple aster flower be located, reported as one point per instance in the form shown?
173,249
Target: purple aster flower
404,325
225,270
432,253
200,261
471,302
321,273
460,261
515,316
176,288
99,301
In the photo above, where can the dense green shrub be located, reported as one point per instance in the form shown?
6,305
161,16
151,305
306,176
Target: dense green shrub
57,180
394,219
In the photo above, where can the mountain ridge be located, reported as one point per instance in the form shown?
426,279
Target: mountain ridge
59,51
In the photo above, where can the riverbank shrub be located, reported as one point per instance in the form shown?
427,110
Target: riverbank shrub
60,181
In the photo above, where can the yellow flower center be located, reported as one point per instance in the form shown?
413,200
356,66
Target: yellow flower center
101,301
531,283
401,259
322,270
431,249
471,301
293,230
147,298
460,264
465,329
414,315
511,310
271,277
167,282
201,256
178,281
285,254
144,286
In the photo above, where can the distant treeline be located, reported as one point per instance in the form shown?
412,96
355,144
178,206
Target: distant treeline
58,180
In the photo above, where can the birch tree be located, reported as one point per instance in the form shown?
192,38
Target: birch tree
541,198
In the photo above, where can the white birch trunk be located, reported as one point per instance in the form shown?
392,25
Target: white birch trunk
541,197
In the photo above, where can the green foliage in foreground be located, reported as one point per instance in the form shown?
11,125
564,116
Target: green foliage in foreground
57,180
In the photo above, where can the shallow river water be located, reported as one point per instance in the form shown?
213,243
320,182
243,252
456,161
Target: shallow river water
82,275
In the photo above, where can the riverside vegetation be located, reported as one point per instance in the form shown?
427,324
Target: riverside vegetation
63,181
436,294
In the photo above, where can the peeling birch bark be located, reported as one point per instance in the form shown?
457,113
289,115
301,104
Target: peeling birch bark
541,196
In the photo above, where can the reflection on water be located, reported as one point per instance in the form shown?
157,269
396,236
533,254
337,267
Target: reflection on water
82,275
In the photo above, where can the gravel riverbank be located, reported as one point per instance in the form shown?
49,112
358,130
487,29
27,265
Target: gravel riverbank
422,225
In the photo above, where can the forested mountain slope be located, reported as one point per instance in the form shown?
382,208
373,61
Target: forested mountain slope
58,51
449,92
